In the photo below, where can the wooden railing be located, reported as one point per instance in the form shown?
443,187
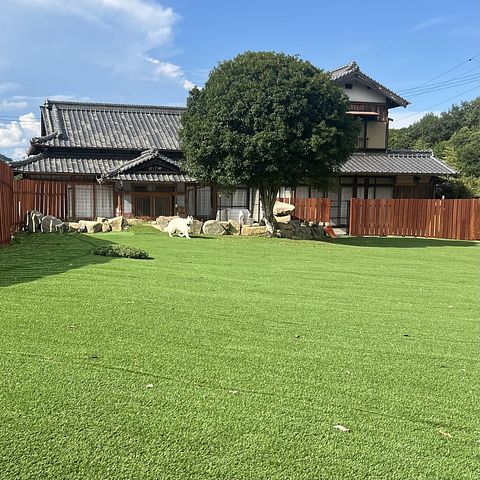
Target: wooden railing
6,206
310,209
455,219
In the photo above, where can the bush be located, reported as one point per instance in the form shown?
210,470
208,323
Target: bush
124,251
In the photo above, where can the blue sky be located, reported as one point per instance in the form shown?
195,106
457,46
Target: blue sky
152,52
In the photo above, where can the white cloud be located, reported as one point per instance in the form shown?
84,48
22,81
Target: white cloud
188,85
8,105
14,136
429,22
147,17
8,86
169,70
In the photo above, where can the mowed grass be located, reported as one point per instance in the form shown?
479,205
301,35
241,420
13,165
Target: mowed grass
255,349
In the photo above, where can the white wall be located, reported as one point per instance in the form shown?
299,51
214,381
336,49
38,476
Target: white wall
360,93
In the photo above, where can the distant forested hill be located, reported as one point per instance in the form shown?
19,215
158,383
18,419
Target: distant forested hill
4,158
454,136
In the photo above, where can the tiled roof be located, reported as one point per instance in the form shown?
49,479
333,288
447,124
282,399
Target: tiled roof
352,71
103,125
113,166
396,162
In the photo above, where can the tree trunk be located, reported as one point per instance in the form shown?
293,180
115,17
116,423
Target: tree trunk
268,194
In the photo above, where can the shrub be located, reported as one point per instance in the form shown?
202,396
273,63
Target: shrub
124,251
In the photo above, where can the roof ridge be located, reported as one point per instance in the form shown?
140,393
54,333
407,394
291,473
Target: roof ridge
48,103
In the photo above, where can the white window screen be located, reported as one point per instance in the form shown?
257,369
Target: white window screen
191,201
239,198
104,201
84,201
204,206
127,203
284,192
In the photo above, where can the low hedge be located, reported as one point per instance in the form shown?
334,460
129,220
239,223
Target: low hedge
114,250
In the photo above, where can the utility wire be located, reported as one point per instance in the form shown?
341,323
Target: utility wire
439,103
447,71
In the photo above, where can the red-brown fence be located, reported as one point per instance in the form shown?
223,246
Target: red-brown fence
455,219
6,198
310,209
48,197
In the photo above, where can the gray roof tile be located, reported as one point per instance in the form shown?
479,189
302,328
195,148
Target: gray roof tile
102,125
396,162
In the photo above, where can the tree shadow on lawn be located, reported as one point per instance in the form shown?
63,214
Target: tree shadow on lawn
402,242
34,256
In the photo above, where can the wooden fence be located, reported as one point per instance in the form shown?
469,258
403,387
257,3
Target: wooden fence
455,219
48,197
6,206
310,209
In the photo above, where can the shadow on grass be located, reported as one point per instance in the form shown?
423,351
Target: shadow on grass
35,256
401,242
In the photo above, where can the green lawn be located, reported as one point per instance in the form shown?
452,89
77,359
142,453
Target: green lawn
255,349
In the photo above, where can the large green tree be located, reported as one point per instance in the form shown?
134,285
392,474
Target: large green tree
264,120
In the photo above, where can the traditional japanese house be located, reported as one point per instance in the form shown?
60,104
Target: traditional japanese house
126,159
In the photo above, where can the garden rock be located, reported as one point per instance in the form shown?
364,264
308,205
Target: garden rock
303,232
163,222
282,208
117,223
254,231
106,227
93,227
82,228
34,220
61,227
234,228
283,219
196,227
49,222
74,227
102,219
212,227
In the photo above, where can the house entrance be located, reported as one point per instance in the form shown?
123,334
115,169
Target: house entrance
152,204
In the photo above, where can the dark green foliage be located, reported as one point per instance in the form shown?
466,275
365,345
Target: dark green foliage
3,158
125,251
454,136
265,120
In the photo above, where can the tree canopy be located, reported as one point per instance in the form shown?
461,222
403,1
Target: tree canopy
264,120
454,136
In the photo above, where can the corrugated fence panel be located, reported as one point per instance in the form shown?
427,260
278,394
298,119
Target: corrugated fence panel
455,219
6,205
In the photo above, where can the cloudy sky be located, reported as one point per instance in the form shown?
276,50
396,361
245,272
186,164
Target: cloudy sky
153,52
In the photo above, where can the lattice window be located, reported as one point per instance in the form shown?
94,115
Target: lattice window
104,201
84,201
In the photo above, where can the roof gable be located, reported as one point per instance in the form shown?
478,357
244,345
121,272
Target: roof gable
352,72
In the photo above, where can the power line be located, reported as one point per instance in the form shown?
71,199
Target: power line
447,87
450,70
461,77
436,105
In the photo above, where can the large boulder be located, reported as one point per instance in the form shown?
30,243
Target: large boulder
254,231
303,232
49,223
234,228
283,219
163,222
92,227
318,233
61,227
213,227
106,227
196,227
282,208
117,223
102,219
74,227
